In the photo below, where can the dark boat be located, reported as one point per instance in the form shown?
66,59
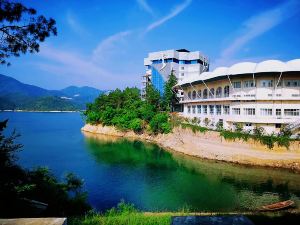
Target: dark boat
277,206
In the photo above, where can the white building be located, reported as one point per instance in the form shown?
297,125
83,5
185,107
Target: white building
185,64
265,94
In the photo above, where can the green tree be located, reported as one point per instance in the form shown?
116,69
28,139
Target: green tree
22,30
18,186
170,98
160,124
153,96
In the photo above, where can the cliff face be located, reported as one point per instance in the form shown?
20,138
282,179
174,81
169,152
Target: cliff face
210,145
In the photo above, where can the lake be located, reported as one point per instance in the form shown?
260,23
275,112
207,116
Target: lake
142,173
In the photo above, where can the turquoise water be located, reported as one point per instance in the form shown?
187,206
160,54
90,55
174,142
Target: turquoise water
142,173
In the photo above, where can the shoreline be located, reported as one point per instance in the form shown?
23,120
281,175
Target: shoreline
211,146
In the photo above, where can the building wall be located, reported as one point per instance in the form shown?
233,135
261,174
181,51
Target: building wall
271,106
183,64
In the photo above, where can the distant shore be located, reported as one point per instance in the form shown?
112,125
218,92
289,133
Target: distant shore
50,111
210,145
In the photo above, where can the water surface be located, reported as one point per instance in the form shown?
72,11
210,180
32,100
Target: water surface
142,173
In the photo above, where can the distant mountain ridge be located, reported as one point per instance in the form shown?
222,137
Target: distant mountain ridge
17,95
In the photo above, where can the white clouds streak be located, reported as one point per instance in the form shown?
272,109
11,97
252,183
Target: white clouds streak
108,45
75,25
258,25
174,12
144,5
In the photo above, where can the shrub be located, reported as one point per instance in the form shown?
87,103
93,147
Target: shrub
159,123
206,121
136,125
239,127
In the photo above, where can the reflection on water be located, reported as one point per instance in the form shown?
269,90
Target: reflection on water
161,180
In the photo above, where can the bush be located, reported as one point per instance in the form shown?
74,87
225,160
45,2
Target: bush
160,124
136,125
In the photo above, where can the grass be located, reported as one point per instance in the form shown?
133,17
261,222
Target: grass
124,214
127,214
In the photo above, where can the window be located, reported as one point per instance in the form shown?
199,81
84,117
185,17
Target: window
292,112
226,91
226,109
211,109
205,93
248,124
219,92
266,83
249,111
237,84
189,95
249,84
182,74
292,83
204,109
199,94
212,93
194,94
194,109
218,109
199,109
182,67
277,125
236,111
278,112
189,109
266,112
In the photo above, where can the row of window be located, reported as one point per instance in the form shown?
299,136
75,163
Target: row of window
265,83
217,110
211,93
195,61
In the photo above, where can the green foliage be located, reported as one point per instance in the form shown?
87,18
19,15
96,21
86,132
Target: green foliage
153,97
233,135
239,127
22,30
206,121
194,128
269,140
18,186
136,125
160,124
126,111
124,213
169,98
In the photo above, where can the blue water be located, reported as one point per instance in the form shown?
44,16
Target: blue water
144,174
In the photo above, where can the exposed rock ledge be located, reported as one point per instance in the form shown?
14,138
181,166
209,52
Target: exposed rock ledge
210,145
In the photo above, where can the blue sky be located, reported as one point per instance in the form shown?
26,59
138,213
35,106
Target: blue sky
102,43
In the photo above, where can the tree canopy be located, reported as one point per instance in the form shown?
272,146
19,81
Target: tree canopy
21,30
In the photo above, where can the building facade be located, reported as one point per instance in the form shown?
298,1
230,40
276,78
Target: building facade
265,94
184,64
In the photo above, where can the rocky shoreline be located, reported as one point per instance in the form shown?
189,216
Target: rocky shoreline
210,145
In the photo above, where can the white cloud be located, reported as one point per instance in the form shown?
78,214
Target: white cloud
174,12
93,69
256,26
144,5
75,25
108,46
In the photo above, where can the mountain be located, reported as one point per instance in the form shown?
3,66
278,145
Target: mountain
17,95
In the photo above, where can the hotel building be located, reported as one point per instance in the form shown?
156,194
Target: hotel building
185,64
265,94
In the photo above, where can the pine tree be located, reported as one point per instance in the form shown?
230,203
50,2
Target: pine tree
170,98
